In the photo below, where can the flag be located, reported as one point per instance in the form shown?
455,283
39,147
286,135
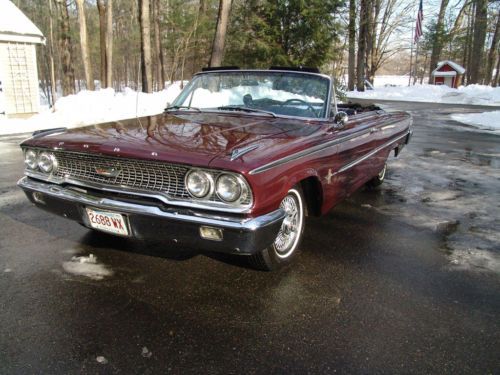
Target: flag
418,26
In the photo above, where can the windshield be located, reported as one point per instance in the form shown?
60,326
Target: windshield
274,93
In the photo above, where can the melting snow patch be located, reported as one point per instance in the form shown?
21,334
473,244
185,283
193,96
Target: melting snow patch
102,360
88,267
7,270
489,121
146,353
475,258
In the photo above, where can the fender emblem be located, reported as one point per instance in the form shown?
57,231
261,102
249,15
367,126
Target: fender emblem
107,171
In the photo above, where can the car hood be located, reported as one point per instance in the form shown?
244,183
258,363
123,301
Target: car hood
187,138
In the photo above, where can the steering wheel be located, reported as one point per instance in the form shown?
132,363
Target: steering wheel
309,107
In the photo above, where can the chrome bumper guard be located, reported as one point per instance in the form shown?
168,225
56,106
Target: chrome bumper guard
181,225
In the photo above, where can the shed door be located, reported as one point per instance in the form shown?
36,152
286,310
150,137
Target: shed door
19,78
448,81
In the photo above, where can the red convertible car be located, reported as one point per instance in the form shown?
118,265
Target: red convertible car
234,164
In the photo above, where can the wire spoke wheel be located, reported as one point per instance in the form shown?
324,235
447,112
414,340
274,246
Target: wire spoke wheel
287,241
289,233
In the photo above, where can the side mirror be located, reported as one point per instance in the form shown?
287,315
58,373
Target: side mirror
341,119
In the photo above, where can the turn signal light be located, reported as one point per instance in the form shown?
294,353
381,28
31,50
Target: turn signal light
211,233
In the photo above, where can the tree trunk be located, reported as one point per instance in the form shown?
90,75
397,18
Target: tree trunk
351,65
51,57
145,46
363,22
377,4
87,66
220,33
437,46
493,52
101,7
480,24
160,80
68,81
497,74
469,40
369,39
109,44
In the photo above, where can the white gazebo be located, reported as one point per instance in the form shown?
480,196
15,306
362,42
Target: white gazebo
19,92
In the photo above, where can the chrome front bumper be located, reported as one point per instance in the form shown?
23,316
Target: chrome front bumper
241,235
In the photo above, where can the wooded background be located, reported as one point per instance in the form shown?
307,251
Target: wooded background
144,44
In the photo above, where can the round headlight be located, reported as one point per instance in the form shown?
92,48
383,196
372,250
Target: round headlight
228,188
198,183
30,159
46,162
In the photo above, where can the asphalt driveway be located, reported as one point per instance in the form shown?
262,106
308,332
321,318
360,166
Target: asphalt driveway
403,279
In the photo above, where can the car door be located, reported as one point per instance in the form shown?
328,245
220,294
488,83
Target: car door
358,138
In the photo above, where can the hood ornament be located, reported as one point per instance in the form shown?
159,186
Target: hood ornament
108,171
239,152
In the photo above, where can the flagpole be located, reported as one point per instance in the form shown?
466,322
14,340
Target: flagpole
415,76
411,54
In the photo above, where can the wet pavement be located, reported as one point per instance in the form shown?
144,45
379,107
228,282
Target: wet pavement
403,279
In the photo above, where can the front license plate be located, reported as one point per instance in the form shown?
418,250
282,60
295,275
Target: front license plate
106,221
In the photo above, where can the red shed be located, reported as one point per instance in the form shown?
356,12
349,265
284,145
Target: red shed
448,73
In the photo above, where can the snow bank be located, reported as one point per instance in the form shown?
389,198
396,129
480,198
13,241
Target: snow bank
485,121
90,107
472,94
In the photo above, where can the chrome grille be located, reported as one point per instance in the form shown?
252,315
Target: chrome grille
145,175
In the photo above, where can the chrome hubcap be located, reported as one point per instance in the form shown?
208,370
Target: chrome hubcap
381,175
290,228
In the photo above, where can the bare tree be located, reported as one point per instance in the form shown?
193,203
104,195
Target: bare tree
220,33
109,44
362,35
390,17
351,65
492,55
479,36
101,7
51,57
159,72
87,66
65,48
147,79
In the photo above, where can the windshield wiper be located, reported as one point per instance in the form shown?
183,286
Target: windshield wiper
244,109
177,107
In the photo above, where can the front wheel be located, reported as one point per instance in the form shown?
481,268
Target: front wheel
378,179
286,244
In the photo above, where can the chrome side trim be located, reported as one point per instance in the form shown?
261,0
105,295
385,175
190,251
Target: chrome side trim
235,223
309,151
368,155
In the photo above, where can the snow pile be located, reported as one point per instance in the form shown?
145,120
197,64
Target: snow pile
90,107
391,80
472,94
489,121
87,266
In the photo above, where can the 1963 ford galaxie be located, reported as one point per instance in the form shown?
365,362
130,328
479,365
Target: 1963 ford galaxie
234,164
